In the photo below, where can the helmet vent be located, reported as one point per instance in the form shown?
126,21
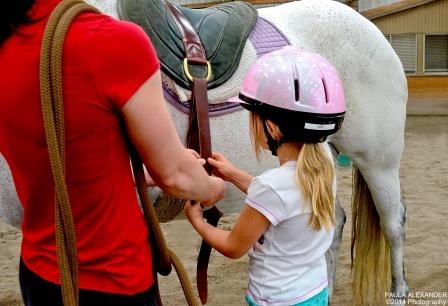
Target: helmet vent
325,90
296,90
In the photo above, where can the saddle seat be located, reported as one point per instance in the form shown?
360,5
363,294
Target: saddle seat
223,30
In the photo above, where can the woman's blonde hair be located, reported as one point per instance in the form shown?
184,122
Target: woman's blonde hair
315,174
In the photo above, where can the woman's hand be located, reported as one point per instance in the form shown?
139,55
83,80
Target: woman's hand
150,181
154,135
196,154
217,183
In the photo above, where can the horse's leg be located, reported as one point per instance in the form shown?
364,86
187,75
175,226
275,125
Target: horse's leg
332,254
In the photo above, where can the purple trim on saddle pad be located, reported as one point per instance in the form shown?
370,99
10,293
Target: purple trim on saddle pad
216,109
265,38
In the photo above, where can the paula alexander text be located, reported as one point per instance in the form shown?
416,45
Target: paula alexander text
417,298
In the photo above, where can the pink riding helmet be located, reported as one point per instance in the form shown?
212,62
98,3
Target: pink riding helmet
300,85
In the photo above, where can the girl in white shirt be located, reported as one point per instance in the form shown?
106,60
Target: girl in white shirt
296,100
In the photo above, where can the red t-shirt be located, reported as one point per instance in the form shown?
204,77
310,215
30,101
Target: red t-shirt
105,61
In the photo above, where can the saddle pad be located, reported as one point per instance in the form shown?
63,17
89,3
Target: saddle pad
265,38
223,30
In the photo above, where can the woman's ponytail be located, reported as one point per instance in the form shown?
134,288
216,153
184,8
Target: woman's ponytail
315,176
13,13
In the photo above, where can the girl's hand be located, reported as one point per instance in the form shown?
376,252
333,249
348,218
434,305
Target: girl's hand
222,167
228,172
193,212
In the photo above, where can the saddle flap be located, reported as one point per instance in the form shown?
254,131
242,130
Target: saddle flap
223,30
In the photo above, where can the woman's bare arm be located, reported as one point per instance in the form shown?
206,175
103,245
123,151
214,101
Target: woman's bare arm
172,168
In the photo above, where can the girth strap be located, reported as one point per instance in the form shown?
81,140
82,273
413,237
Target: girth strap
198,135
198,138
212,215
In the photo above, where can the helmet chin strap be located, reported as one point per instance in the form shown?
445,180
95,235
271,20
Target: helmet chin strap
272,143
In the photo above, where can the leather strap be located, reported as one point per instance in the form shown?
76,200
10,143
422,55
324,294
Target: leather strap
194,49
212,215
198,135
198,138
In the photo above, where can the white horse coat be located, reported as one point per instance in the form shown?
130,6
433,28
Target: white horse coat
372,134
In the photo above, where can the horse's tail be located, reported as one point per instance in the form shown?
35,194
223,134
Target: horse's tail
370,251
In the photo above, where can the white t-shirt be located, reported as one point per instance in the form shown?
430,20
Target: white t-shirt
287,265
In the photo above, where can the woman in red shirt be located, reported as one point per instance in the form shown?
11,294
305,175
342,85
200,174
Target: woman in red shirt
110,78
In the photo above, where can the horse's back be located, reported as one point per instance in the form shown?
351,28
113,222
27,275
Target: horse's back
373,77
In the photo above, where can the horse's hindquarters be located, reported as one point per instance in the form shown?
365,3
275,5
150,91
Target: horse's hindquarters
375,85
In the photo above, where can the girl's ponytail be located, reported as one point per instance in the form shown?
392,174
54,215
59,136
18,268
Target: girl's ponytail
315,176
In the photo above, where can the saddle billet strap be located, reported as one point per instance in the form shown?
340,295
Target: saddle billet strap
198,138
194,50
198,135
212,215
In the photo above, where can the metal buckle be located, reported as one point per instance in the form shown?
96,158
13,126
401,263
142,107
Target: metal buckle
190,77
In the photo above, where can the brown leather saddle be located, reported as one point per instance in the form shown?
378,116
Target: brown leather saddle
198,49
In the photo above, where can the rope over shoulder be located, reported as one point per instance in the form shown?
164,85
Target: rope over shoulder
52,107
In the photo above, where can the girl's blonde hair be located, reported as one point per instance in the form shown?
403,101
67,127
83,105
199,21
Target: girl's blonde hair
314,175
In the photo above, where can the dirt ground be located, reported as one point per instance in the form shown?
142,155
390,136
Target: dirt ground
424,174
